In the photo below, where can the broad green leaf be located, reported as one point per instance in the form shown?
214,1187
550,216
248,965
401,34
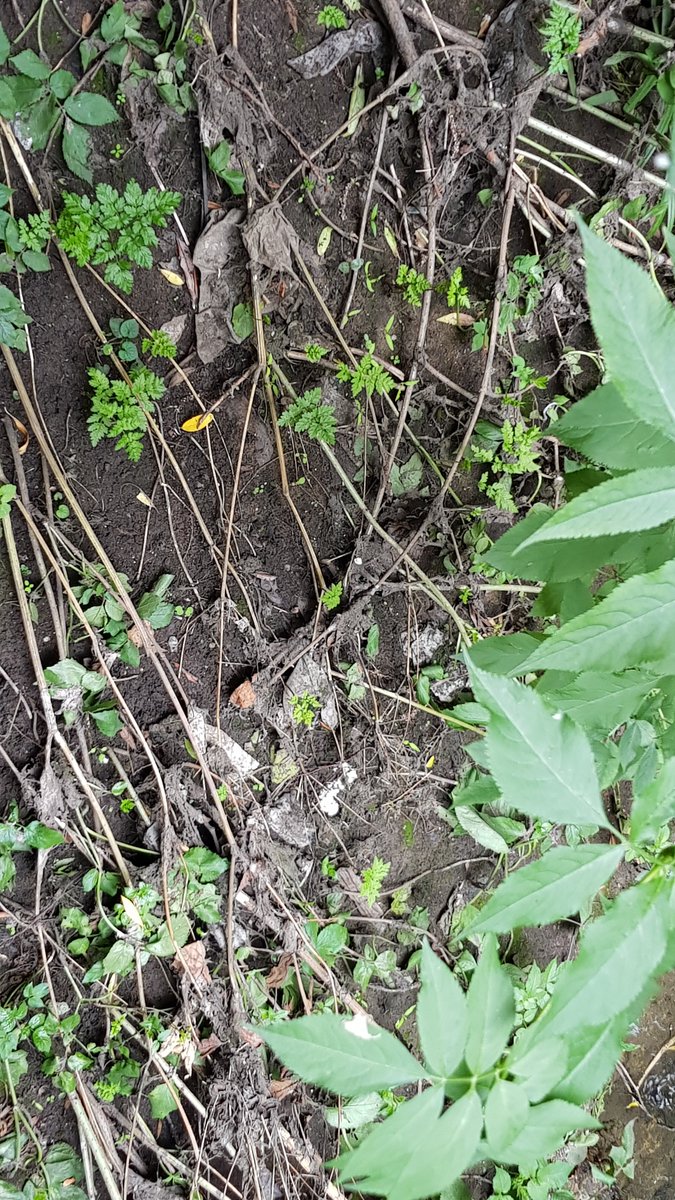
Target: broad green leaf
598,701
242,320
164,945
39,122
542,762
416,1153
114,22
603,428
635,326
161,1101
4,46
350,1057
41,837
219,162
479,830
654,806
504,655
119,957
592,1056
441,1015
618,954
354,1114
88,108
490,1008
546,1128
62,84
558,885
35,260
75,148
540,1068
507,1110
28,63
633,625
541,561
641,500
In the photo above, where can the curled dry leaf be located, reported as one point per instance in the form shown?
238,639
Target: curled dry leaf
192,962
85,24
172,277
461,319
21,428
282,1088
277,976
188,268
209,1045
250,1038
244,695
194,424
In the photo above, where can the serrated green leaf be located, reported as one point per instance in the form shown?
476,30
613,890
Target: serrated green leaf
490,1008
635,326
62,83
161,1101
28,63
416,1152
507,1111
540,1068
219,162
504,655
441,1015
543,561
350,1057
542,762
642,500
604,429
592,1056
546,1128
114,22
88,108
558,885
119,957
598,701
479,830
654,806
632,626
39,120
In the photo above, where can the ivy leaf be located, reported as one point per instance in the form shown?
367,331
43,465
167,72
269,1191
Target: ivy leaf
560,884
604,429
635,326
87,108
75,148
350,1057
161,1101
441,1015
28,63
541,761
642,500
416,1152
219,162
507,1111
633,625
490,1009
654,805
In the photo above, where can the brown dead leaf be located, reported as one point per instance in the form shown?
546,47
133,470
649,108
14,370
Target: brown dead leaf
244,695
277,975
85,24
462,320
209,1044
281,1089
192,962
250,1038
188,268
292,14
21,428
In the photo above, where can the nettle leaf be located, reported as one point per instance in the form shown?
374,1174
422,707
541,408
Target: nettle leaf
604,429
416,1152
88,108
635,326
441,1015
546,1129
490,1008
540,1068
350,1057
654,805
633,625
598,701
592,1056
507,1111
641,500
560,884
542,762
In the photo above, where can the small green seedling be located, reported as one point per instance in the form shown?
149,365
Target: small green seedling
315,352
331,597
16,839
159,345
510,451
332,17
13,321
455,290
621,1160
24,240
561,32
523,290
308,414
368,376
304,709
122,339
219,162
413,283
372,880
120,410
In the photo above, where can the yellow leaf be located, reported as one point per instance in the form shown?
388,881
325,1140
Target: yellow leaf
390,239
194,424
462,319
324,240
143,499
131,912
171,277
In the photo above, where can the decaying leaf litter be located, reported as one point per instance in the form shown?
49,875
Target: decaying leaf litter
256,522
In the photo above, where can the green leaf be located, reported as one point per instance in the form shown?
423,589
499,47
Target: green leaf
541,761
635,326
205,864
119,958
114,22
563,561
604,429
75,148
479,830
40,837
242,320
441,1015
633,625
504,655
35,260
28,63
350,1057
106,718
641,500
540,1068
490,1008
592,1056
39,121
407,477
558,885
62,84
598,701
416,1152
4,46
88,108
219,162
546,1128
507,1111
67,673
161,1101
164,946
654,805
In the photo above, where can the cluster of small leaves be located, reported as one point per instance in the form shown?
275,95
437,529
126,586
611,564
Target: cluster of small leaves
119,410
372,880
159,345
115,229
106,613
331,597
510,451
332,17
308,414
16,838
315,352
456,291
80,690
40,100
13,320
413,283
367,376
523,290
304,708
24,240
219,162
561,32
